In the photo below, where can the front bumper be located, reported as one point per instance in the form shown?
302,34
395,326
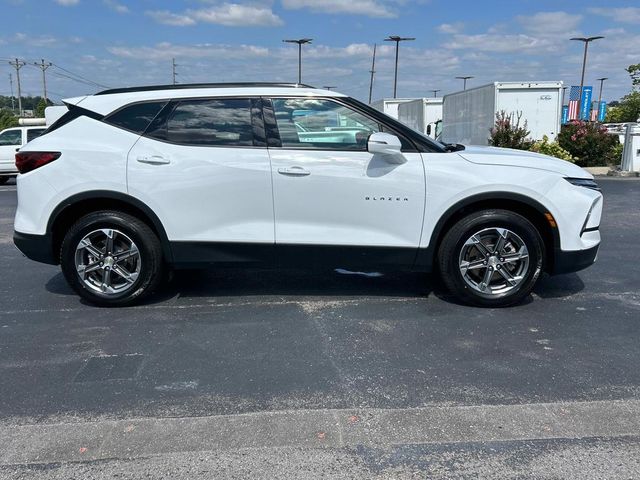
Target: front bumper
35,247
574,261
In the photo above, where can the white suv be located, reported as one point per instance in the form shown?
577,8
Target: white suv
131,182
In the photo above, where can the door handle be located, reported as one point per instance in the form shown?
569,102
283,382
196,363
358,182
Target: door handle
153,160
294,171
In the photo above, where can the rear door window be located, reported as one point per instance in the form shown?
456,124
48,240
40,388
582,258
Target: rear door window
208,122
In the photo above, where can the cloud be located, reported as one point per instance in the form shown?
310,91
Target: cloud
550,23
167,18
165,50
369,8
116,7
621,15
227,14
488,42
67,3
451,27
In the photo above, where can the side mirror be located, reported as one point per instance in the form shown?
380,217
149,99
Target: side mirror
384,144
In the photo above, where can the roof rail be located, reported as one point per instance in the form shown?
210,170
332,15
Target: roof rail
182,86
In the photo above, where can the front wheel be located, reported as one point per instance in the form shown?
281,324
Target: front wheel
491,258
111,258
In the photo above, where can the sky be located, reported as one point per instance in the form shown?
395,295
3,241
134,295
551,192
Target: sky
115,43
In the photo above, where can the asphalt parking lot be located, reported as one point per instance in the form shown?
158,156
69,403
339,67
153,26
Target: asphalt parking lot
297,374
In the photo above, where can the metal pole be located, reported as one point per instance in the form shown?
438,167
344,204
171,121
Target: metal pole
395,81
601,86
584,66
173,68
372,71
435,93
586,41
299,63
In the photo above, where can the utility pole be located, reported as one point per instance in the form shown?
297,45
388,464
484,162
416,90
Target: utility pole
13,99
464,79
173,68
372,72
586,41
435,93
397,39
43,66
300,42
18,64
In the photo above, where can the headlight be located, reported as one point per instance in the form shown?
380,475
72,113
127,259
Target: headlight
583,182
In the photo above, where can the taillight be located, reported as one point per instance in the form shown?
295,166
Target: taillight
27,161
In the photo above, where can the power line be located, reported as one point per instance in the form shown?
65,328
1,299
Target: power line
80,77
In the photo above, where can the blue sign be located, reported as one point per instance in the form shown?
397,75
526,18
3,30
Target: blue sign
585,103
565,114
602,111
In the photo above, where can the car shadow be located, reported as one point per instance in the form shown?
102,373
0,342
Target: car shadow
231,282
558,286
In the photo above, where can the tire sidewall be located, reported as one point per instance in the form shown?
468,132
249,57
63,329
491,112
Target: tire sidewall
496,219
127,225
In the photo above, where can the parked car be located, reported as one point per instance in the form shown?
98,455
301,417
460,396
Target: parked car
132,182
11,140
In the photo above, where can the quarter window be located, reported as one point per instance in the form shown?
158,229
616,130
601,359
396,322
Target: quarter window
11,137
137,117
321,124
219,122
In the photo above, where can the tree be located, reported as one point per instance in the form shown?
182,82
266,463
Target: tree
634,72
7,119
627,110
39,111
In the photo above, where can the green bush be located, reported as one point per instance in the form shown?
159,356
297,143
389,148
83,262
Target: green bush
552,149
7,119
508,133
589,143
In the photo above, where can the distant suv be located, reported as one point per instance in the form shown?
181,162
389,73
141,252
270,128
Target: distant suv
131,182
11,140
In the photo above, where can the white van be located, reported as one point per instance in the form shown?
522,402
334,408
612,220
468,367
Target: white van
11,140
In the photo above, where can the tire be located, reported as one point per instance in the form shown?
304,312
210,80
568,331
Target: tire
475,271
112,259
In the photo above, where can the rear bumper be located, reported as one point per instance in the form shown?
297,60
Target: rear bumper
35,247
574,261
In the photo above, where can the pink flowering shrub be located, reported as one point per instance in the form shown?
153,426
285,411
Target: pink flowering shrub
590,144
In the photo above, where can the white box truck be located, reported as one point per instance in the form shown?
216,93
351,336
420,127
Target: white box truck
390,105
469,115
422,114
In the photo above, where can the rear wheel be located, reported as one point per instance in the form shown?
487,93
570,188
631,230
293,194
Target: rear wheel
491,258
111,258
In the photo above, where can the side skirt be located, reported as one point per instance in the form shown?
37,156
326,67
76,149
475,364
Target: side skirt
202,254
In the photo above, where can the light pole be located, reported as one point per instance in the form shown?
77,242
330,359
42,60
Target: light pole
300,42
328,87
601,80
464,79
586,41
397,39
435,93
